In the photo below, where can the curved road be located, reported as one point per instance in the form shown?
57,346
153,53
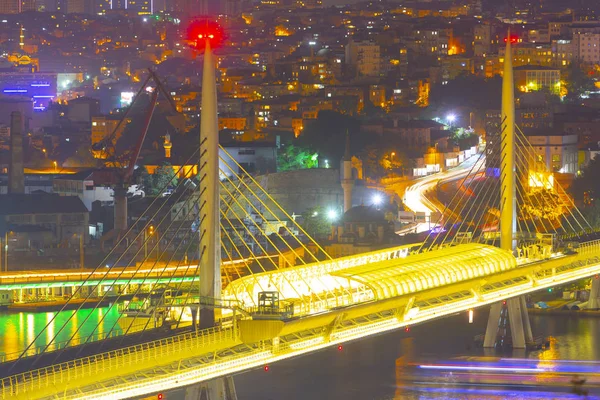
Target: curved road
415,196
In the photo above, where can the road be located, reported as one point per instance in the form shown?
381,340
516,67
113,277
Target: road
415,197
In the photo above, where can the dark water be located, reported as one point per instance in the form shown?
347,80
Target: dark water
366,369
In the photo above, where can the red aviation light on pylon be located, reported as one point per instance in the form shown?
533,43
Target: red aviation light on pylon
200,31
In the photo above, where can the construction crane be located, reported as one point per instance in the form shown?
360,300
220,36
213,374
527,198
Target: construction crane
119,167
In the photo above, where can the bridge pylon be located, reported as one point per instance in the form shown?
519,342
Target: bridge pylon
513,312
209,231
209,214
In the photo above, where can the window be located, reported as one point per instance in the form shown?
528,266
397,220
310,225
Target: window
555,157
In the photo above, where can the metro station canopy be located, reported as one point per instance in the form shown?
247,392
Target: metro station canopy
383,275
424,271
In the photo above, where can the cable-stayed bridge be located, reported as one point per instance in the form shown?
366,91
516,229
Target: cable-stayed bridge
508,231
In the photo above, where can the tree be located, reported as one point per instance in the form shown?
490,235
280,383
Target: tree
143,178
585,189
372,156
163,177
371,110
290,158
316,223
327,135
465,138
591,213
577,83
83,157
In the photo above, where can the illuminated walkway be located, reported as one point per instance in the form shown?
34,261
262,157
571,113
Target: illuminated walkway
360,296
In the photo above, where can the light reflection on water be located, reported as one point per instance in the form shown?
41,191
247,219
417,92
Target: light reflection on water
18,330
369,369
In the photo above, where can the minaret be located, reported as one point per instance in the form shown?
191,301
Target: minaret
210,232
346,175
167,145
507,143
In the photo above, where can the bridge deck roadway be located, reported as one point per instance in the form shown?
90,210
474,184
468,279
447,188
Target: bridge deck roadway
193,358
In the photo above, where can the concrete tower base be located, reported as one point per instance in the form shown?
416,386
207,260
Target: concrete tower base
594,301
218,389
518,320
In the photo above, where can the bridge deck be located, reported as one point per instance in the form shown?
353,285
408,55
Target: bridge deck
113,276
192,358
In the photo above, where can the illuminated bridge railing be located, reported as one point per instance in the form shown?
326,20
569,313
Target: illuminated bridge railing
220,353
587,247
186,344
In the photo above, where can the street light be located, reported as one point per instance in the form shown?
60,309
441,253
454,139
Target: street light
55,165
332,215
377,199
450,118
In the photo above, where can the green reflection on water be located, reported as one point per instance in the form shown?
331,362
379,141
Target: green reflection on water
18,330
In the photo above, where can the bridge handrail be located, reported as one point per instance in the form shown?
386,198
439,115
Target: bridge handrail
87,366
587,245
34,351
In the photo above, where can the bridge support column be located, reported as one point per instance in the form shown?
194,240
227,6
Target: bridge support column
218,389
511,314
594,301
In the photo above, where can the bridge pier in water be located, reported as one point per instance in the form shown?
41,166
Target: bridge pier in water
594,301
218,389
508,319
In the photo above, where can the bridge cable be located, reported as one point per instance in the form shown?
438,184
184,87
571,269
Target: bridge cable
260,188
423,247
274,245
92,273
527,145
160,228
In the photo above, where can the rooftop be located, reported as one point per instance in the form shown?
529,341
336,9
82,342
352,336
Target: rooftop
364,214
21,204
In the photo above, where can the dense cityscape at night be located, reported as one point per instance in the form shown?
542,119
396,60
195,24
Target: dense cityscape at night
299,199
